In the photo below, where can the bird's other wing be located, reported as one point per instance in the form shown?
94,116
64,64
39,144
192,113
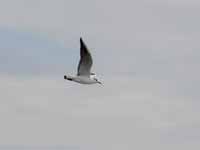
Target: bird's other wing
85,62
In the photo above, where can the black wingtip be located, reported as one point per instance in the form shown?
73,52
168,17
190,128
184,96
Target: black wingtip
81,39
82,43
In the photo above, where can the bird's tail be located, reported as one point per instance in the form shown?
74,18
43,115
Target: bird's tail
67,77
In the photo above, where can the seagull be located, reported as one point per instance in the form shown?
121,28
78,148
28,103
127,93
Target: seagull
84,76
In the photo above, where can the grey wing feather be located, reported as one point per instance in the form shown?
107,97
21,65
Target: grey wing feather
85,62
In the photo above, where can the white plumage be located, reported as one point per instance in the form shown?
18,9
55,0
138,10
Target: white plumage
84,75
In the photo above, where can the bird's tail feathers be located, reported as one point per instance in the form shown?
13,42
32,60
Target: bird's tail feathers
67,77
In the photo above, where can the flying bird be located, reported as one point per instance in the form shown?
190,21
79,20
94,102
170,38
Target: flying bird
84,75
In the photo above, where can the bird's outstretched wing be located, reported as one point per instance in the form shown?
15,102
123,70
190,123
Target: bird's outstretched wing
85,62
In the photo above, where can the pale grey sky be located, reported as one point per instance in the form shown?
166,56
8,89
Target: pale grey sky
145,52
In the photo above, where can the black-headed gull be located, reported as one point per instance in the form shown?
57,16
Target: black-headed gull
84,76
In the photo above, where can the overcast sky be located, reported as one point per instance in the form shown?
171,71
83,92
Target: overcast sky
146,52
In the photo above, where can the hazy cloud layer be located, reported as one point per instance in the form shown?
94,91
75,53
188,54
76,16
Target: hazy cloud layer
146,53
139,36
124,113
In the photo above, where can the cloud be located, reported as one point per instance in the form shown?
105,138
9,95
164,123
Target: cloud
124,112
26,53
147,54
141,37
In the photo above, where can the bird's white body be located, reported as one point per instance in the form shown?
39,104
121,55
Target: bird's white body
84,76
83,79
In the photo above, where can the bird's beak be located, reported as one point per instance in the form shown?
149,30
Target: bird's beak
99,82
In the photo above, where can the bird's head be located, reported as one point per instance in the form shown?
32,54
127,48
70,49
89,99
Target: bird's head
96,80
94,77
